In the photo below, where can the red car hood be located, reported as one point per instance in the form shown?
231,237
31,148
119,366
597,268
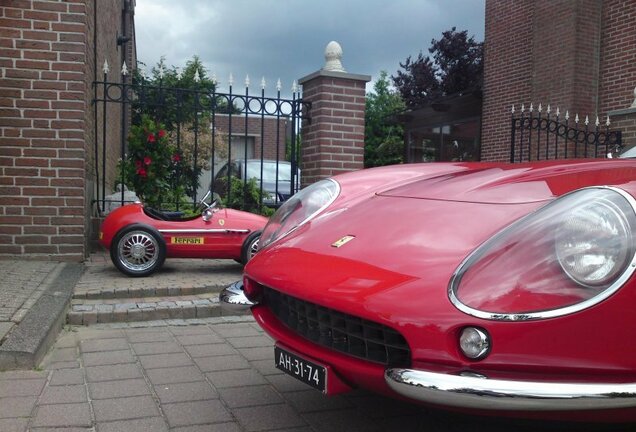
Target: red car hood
412,228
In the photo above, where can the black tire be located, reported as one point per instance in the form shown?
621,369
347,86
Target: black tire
138,250
250,246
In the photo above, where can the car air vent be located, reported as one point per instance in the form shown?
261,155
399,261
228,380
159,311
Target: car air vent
342,332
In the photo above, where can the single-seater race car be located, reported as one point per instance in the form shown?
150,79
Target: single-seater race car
499,289
140,238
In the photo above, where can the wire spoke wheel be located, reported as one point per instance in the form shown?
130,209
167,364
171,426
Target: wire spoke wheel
253,249
138,251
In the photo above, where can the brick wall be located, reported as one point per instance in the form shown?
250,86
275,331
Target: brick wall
46,124
578,55
266,133
333,142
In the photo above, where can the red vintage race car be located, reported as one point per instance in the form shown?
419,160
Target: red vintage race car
141,238
497,289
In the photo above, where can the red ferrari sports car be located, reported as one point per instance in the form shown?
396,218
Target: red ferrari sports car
504,289
140,238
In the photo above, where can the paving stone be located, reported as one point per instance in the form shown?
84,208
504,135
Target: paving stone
268,417
63,394
192,413
164,360
63,415
62,365
218,427
312,400
12,388
235,378
112,372
89,317
237,397
108,358
285,383
185,392
206,311
235,330
22,375
11,407
266,367
251,342
62,355
341,421
13,424
175,375
221,363
75,318
156,348
190,330
117,389
260,353
149,335
125,408
152,424
99,345
211,350
134,315
202,339
66,377
86,333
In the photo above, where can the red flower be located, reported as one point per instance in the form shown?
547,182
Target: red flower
176,157
151,138
138,164
147,160
162,133
141,172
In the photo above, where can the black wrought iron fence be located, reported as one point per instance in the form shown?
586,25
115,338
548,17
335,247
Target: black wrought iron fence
545,135
215,137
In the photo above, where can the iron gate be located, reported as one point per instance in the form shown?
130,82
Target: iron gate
270,124
536,135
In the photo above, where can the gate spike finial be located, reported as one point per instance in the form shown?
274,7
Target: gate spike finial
597,122
607,123
214,81
247,81
513,109
523,108
263,83
197,77
576,118
558,112
161,71
587,120
178,71
567,115
548,110
124,69
531,107
294,88
105,68
540,108
231,80
278,85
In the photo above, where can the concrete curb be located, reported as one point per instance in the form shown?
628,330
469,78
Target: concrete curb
28,342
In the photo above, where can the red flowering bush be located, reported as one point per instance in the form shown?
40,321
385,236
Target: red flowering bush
152,166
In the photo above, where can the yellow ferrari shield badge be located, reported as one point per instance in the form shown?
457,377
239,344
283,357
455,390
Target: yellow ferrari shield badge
343,241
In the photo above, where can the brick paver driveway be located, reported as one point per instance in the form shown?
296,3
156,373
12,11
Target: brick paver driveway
216,376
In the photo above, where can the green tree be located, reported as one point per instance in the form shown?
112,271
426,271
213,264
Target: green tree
383,137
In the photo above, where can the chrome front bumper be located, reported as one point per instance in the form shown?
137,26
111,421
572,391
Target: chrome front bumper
232,298
491,394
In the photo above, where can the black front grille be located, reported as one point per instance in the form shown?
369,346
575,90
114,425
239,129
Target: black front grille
342,332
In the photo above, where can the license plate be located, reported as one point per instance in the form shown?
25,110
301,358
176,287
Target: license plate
300,368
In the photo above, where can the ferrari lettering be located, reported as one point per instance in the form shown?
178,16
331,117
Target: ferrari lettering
188,240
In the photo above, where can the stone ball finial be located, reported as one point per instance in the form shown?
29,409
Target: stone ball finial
333,57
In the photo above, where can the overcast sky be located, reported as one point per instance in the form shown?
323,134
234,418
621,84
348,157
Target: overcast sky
286,38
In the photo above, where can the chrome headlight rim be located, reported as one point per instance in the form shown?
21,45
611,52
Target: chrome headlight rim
265,244
553,313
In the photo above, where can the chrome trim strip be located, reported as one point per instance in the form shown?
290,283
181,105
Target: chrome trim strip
232,298
202,231
491,394
550,313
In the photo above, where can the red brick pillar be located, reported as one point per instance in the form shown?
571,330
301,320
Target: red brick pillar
333,141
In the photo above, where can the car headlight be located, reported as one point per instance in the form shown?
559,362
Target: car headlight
566,256
299,209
